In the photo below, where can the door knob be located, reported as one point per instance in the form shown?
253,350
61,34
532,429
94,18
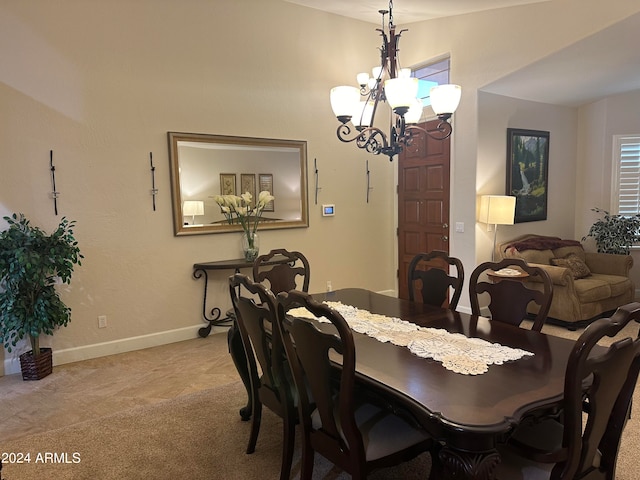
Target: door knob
445,225
445,238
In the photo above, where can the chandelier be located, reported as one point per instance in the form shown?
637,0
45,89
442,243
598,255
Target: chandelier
356,107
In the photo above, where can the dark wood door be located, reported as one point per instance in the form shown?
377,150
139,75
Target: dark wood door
423,200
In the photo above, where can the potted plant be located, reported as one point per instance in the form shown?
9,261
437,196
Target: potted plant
614,233
31,263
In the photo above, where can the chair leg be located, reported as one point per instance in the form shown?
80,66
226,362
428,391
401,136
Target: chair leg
307,462
255,426
288,437
436,472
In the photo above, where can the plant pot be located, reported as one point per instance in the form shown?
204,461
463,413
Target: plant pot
35,368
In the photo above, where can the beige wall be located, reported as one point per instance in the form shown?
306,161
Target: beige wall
100,84
598,123
496,114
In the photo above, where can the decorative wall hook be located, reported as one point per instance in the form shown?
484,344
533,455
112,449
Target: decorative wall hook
54,193
317,177
154,190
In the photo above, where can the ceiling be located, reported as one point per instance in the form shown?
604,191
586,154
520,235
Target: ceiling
603,64
606,63
407,11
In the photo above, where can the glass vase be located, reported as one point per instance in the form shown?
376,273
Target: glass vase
250,246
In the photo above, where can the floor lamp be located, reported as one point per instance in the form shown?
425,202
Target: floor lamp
193,208
497,210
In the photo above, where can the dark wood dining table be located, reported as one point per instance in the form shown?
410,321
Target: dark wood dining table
469,414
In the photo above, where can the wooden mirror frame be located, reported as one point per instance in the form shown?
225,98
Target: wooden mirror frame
272,161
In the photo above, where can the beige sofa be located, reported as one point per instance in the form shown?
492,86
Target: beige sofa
576,301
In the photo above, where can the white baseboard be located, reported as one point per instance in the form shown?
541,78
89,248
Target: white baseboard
389,293
86,352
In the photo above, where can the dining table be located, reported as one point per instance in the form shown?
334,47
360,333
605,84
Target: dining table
470,414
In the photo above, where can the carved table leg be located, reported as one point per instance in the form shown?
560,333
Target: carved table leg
238,354
468,465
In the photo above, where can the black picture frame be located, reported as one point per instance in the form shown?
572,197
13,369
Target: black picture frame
528,173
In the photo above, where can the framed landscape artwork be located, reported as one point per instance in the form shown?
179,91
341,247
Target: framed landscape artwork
528,172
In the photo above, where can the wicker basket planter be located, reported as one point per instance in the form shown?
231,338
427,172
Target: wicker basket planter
35,368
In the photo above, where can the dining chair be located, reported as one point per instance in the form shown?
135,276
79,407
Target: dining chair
282,276
435,280
273,386
599,384
510,296
354,434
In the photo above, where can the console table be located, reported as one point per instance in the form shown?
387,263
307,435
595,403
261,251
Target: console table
200,270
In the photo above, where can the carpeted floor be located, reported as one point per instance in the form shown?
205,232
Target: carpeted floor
196,436
192,436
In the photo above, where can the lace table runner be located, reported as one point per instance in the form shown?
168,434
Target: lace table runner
456,352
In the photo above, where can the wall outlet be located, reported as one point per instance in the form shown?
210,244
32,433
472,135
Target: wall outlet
102,321
329,287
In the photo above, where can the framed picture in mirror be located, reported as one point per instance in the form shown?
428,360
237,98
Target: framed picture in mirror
266,183
248,184
227,184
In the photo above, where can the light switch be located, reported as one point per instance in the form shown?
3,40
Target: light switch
460,227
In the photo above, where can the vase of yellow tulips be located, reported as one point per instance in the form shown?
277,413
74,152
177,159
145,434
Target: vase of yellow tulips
241,210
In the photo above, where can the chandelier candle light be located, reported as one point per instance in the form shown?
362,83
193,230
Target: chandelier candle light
394,85
238,210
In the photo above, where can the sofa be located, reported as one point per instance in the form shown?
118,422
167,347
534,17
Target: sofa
586,285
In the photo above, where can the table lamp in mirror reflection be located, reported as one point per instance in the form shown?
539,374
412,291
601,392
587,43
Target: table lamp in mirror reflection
497,210
192,208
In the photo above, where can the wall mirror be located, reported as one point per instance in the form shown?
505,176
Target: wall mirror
203,166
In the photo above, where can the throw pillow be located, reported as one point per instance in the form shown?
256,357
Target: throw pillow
574,263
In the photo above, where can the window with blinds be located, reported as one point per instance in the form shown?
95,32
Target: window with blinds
626,189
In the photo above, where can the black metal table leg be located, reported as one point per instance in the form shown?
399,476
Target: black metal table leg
213,318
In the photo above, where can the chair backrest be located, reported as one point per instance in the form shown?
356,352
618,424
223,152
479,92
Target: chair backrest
308,349
509,297
262,341
435,280
282,276
611,376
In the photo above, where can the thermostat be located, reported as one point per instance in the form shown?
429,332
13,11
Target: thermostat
328,210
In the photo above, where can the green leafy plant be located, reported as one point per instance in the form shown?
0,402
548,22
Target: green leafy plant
614,233
31,262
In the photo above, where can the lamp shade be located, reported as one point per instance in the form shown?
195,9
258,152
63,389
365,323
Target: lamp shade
401,92
364,115
445,98
193,207
344,101
363,78
415,112
497,209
